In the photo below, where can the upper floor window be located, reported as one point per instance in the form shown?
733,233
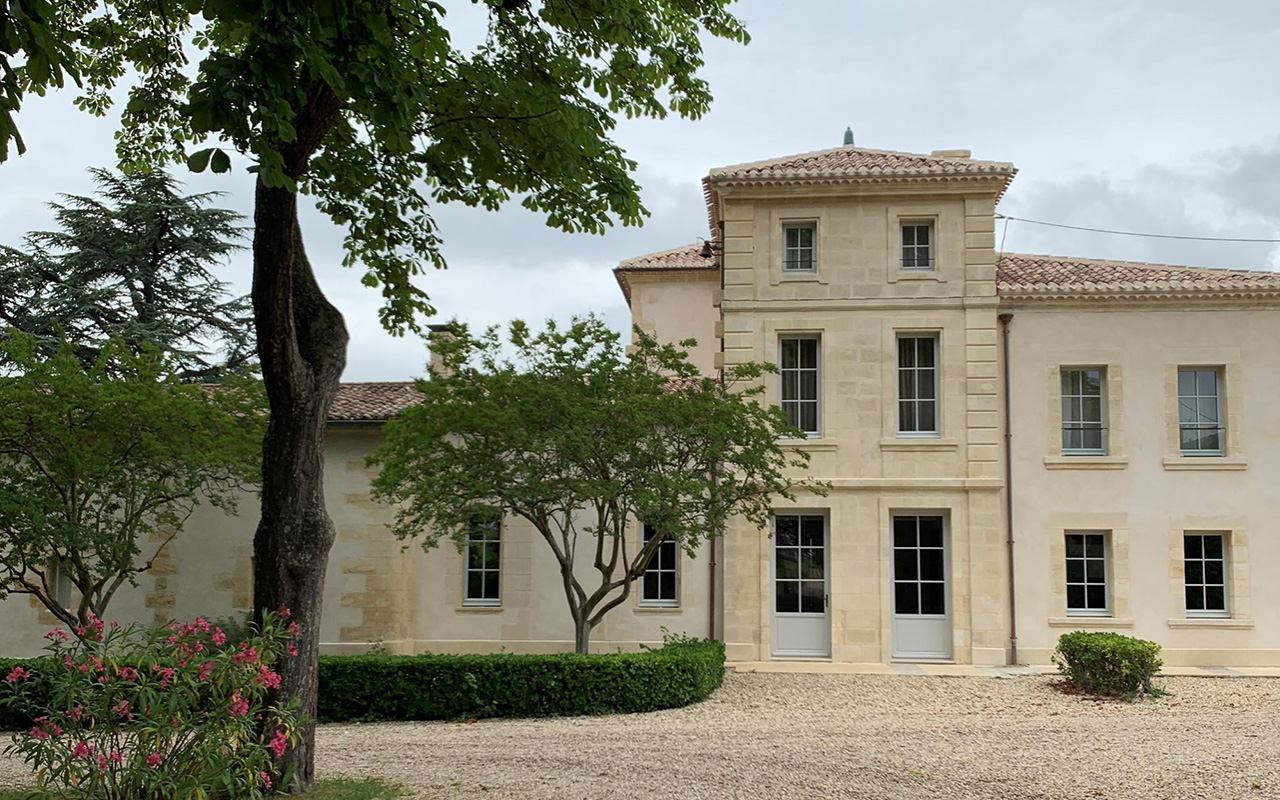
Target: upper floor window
483,559
917,245
658,585
798,370
917,386
1199,412
1083,422
1087,584
799,247
1205,574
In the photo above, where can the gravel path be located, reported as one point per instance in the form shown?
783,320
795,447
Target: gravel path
857,736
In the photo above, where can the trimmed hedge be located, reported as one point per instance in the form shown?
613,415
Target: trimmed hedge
1108,663
381,687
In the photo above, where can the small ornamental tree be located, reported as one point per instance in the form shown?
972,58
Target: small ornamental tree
98,473
581,441
130,713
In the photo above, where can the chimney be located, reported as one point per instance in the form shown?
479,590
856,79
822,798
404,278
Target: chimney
951,154
438,333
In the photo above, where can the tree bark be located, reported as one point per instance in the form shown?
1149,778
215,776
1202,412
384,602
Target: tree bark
302,343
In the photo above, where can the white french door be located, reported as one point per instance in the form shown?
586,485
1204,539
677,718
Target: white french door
921,587
801,619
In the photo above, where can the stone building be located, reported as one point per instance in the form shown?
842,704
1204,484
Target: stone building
1132,494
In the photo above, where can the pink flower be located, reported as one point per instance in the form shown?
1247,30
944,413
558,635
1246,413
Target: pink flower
204,671
116,757
239,706
121,709
219,638
166,674
202,625
279,743
266,779
268,678
17,674
102,762
76,713
39,734
81,750
56,635
153,760
128,674
293,629
292,651
285,612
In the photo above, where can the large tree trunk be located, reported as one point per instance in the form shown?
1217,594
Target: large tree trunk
302,343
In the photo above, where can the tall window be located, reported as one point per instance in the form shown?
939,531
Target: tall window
800,380
800,247
1199,412
1083,429
1087,574
917,245
658,586
1205,568
61,584
917,386
483,560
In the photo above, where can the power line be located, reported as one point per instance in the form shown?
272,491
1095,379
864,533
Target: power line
1135,233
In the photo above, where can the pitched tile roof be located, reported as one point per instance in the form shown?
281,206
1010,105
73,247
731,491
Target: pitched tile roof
859,161
1018,274
690,256
372,402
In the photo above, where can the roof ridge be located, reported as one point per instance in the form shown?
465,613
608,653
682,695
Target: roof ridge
767,162
698,245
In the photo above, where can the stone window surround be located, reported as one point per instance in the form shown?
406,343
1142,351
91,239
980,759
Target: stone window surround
1116,528
950,411
649,606
461,603
1236,540
795,215
774,331
1114,415
1227,361
896,214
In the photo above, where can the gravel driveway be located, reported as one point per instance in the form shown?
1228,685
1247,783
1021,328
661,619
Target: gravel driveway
865,736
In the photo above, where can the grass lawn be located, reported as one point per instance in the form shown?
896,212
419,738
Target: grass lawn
333,789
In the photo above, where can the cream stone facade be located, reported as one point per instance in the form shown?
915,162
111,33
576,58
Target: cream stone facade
872,279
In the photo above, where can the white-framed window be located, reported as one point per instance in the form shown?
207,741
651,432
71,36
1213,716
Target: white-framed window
917,245
800,376
1200,428
800,247
1084,428
918,385
1205,574
60,582
483,562
1088,589
660,584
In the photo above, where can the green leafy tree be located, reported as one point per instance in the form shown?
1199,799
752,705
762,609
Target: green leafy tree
100,469
368,106
581,441
134,266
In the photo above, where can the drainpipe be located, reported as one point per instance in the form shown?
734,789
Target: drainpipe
1008,491
717,254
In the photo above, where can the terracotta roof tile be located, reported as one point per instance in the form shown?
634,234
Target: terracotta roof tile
1045,275
858,161
690,256
372,402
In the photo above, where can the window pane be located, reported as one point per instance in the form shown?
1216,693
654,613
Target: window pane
788,597
1208,408
906,352
809,385
490,555
1186,383
667,587
1195,598
1207,383
809,353
806,237
931,531
904,531
1215,598
811,531
1097,596
787,561
786,531
905,566
475,556
924,352
491,585
790,353
1075,596
931,565
792,236
1214,573
1195,572
1094,547
1212,546
1075,545
649,585
922,234
906,598
932,598
925,386
906,385
790,385
1210,440
908,235
811,564
907,417
926,413
1091,409
1091,439
1095,571
1187,413
1075,570
808,418
1191,546
475,585
812,597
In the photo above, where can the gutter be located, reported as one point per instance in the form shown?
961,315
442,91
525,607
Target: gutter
1005,319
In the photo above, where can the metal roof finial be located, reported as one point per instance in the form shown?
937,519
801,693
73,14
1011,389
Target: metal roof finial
848,137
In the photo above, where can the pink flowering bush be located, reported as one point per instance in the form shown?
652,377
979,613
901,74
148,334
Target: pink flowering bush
126,713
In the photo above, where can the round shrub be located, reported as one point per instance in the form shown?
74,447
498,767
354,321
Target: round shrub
1108,663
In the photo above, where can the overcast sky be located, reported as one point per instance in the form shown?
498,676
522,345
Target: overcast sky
1147,115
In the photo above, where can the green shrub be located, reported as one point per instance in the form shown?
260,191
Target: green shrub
381,687
1108,663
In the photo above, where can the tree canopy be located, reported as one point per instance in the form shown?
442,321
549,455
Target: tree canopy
582,441
99,469
132,264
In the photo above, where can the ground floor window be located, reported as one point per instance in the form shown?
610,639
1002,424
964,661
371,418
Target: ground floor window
800,584
659,585
1087,585
483,562
1205,571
